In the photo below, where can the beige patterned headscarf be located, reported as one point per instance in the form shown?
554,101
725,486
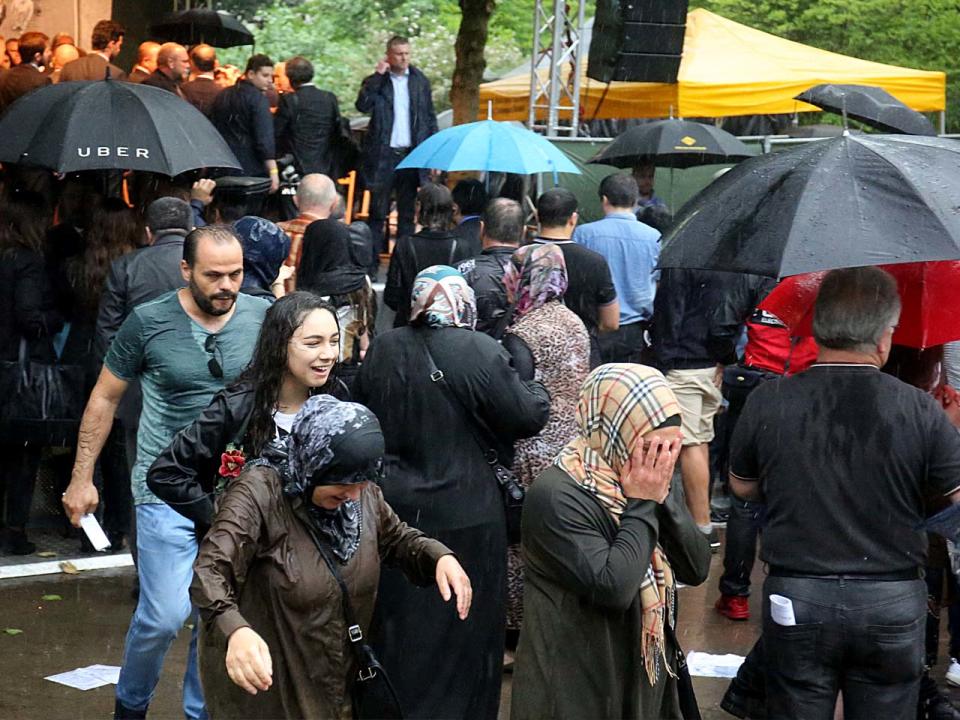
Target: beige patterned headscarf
619,404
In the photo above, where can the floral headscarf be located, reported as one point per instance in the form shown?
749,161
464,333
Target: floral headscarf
536,275
619,403
441,297
265,247
330,443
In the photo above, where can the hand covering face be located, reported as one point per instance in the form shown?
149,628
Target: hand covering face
441,297
331,443
536,275
619,403
265,247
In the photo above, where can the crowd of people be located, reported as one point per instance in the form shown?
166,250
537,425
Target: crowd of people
336,511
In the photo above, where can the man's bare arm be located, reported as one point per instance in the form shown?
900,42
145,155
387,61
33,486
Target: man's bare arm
608,317
81,496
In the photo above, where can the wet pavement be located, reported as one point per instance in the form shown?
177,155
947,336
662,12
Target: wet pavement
87,626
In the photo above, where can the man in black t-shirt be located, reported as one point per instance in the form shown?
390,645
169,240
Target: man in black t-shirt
844,457
590,291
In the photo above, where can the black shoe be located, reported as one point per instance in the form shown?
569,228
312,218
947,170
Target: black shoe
719,517
714,538
939,707
18,544
741,703
124,713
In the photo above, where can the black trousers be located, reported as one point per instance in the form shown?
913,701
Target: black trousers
863,638
18,475
624,344
403,183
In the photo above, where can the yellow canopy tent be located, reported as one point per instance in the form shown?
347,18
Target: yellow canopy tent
727,69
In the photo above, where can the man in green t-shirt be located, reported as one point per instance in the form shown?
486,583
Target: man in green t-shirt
184,347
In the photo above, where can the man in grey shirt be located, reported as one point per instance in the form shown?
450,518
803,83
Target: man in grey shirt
183,347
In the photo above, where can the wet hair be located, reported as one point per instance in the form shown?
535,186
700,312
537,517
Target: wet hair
24,219
436,207
555,206
114,231
396,40
620,190
169,213
32,43
106,32
258,61
854,307
657,217
470,196
203,57
268,365
503,221
299,71
220,234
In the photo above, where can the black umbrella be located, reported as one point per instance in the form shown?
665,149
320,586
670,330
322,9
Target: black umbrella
109,125
849,201
868,104
673,143
213,27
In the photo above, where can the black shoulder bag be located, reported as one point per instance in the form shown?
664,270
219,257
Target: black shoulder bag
510,488
689,708
372,679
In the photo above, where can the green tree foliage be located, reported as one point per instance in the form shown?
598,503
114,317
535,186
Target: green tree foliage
921,34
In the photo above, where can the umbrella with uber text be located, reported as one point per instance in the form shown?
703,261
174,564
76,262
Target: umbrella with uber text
110,125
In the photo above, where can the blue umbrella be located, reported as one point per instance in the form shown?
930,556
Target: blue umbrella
492,146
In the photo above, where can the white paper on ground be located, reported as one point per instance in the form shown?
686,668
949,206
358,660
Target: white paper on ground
781,610
87,678
703,664
94,532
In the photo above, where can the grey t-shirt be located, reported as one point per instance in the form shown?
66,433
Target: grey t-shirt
162,346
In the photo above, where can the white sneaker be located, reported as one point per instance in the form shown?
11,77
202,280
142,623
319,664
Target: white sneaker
953,673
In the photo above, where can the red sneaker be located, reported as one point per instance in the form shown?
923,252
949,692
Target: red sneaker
735,607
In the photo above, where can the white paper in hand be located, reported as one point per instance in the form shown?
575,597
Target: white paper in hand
94,532
781,610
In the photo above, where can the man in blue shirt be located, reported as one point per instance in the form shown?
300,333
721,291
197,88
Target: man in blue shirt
183,347
631,249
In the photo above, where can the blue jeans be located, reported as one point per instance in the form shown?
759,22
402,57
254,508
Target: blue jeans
864,638
167,547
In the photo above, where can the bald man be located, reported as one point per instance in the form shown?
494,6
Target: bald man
316,199
146,61
203,89
173,67
62,54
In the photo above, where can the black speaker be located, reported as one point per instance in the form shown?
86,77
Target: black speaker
637,40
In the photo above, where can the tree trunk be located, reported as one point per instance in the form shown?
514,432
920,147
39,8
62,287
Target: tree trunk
468,73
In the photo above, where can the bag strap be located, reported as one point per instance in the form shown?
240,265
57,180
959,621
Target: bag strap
453,251
689,709
367,663
478,428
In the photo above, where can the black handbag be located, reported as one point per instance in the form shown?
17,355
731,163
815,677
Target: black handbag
511,489
43,402
373,684
689,709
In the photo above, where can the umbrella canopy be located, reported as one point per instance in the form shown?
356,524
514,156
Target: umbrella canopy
844,202
673,143
108,125
489,145
200,25
871,105
929,293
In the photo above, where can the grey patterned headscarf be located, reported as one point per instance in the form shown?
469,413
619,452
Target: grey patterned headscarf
331,443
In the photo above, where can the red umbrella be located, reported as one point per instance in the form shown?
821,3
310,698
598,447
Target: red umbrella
929,291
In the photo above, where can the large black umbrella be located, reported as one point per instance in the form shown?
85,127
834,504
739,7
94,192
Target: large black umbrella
868,104
849,201
213,27
673,143
109,125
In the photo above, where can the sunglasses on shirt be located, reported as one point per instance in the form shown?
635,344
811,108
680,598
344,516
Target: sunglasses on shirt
213,365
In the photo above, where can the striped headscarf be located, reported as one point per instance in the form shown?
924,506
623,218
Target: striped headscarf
619,404
536,275
441,297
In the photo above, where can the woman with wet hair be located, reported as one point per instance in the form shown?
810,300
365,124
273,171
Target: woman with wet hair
295,357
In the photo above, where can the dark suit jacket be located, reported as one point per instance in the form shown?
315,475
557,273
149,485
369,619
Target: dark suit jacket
307,124
18,81
201,93
376,98
242,115
469,231
158,79
90,67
